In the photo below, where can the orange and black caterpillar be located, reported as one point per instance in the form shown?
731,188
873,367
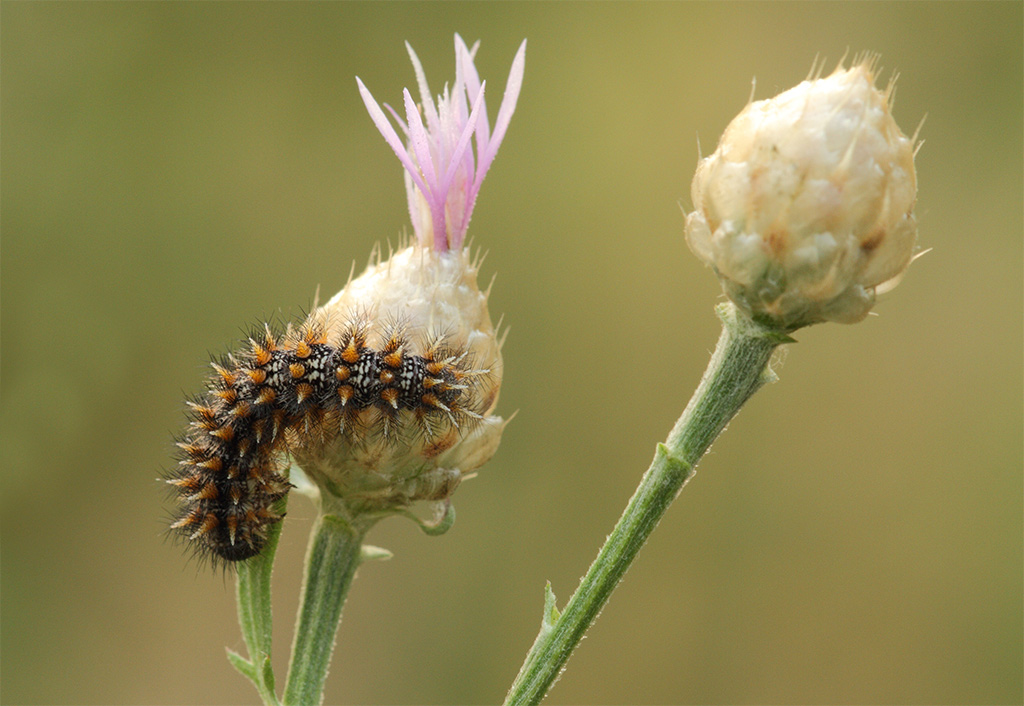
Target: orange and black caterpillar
300,388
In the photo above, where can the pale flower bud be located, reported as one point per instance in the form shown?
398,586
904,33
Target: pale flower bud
805,209
431,304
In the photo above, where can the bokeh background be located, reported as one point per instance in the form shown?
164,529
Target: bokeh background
174,172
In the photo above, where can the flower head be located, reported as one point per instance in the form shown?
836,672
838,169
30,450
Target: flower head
415,361
806,208
443,174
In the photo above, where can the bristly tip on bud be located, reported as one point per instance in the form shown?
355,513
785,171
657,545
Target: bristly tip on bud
806,208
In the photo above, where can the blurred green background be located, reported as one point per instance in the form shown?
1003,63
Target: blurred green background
174,172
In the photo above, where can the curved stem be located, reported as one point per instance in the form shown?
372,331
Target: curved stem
331,562
738,368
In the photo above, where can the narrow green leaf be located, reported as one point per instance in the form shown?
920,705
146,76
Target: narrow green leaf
268,674
551,612
243,665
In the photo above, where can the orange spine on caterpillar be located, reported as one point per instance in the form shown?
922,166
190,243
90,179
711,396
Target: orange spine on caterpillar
302,390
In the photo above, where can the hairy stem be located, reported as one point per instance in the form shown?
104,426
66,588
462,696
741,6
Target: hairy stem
255,617
738,368
331,562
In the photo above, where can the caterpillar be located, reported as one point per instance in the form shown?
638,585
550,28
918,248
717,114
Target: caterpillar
299,389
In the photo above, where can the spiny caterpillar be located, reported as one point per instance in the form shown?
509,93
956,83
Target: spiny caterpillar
305,388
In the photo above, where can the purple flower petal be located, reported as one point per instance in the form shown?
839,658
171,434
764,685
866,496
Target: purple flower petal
460,150
508,106
420,140
426,99
442,171
464,59
390,136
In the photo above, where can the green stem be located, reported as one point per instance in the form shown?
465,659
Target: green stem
738,368
331,562
255,617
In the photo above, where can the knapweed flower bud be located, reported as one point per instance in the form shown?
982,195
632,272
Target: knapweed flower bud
384,395
418,368
806,208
